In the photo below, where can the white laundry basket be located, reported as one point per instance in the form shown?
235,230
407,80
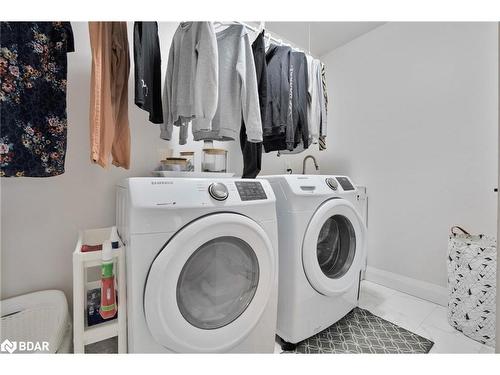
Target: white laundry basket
472,285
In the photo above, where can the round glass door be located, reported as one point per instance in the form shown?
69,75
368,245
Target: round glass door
217,283
210,284
336,246
333,247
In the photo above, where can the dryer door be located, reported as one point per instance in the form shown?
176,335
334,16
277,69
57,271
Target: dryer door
333,248
209,285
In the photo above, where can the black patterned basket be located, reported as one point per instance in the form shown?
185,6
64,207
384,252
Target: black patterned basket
472,284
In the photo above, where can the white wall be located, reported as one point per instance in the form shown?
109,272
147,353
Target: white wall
41,217
414,118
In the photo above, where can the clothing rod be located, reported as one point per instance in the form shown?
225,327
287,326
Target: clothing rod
280,41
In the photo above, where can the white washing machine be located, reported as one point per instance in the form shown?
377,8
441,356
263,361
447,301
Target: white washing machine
321,252
202,264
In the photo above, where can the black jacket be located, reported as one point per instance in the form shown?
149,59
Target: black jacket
252,152
147,64
300,131
278,116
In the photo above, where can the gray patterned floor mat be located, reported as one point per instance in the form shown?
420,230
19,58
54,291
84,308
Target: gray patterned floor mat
362,332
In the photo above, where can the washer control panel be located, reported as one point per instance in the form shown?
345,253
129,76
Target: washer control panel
250,190
345,183
304,185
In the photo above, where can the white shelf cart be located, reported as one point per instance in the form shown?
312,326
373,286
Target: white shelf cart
82,261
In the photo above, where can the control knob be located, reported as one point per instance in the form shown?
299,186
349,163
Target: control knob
218,191
332,183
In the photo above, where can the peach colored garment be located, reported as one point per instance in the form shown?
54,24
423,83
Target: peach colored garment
109,127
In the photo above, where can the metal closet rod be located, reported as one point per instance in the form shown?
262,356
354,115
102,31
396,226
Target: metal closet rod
281,41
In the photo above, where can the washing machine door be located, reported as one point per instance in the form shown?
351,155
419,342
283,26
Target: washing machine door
210,284
333,248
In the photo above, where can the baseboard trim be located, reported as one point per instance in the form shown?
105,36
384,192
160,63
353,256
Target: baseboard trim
421,289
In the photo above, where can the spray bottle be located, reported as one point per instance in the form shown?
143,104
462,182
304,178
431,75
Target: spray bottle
108,294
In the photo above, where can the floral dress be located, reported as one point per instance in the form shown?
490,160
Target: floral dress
33,71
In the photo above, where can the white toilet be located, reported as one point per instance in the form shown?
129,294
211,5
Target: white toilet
37,322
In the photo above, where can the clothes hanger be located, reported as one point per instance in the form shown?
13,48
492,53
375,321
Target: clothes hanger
268,44
221,26
259,30
217,25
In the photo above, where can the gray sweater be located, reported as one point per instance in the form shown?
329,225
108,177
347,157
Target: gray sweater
238,96
315,91
191,82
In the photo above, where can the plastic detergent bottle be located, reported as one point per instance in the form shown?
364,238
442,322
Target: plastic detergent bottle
108,294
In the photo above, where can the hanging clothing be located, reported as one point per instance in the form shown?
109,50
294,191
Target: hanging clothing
298,139
238,96
252,151
315,98
324,111
191,82
300,134
109,124
33,72
279,99
147,68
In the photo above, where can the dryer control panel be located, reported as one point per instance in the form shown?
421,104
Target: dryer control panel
176,193
162,204
250,190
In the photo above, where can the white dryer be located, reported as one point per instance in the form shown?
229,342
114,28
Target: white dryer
202,264
321,252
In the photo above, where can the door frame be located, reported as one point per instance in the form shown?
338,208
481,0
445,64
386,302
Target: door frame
497,344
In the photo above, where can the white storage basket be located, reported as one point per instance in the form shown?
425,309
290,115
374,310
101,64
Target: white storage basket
472,285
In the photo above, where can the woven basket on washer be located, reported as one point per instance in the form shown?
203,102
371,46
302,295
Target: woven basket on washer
472,285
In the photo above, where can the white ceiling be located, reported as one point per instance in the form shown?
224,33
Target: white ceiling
325,36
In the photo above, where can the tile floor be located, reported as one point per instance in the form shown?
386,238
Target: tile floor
422,317
417,315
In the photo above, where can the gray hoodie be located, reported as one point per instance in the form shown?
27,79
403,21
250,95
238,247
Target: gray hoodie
238,96
191,82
